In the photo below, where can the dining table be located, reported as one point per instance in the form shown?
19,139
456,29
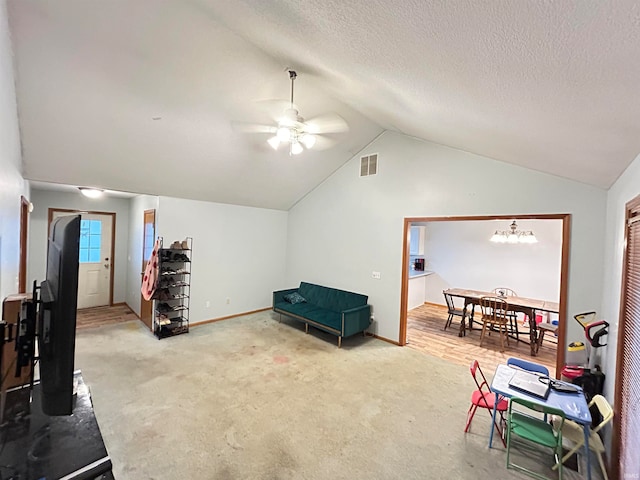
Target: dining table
574,405
528,306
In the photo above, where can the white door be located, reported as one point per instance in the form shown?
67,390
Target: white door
95,262
94,272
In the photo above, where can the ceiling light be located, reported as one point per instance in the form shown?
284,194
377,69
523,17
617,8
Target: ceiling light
91,192
513,235
498,237
284,134
308,140
296,148
274,142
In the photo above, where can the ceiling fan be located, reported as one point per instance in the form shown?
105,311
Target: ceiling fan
291,128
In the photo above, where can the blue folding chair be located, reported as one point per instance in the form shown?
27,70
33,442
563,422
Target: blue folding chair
528,366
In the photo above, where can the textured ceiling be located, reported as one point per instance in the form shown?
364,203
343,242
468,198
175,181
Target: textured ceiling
552,86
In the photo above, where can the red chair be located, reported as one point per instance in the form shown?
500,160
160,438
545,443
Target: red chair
483,397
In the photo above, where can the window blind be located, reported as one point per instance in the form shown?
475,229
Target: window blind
629,356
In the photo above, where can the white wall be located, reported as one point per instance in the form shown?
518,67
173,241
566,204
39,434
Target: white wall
44,199
137,206
461,255
350,226
12,185
238,253
626,188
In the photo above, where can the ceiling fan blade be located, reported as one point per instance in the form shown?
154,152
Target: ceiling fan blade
253,128
275,108
328,123
323,143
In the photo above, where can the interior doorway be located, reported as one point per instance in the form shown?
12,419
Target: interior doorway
411,253
148,240
97,251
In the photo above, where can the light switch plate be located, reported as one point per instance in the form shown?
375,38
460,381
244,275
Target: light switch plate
376,275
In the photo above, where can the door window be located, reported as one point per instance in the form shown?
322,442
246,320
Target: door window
90,241
149,235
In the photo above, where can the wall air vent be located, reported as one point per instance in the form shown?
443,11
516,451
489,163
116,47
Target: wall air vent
369,165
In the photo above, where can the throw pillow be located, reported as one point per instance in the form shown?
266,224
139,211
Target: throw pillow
294,297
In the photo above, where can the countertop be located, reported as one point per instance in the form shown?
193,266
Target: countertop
419,273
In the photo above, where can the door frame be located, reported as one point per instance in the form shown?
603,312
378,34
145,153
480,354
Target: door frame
142,300
113,238
564,268
25,206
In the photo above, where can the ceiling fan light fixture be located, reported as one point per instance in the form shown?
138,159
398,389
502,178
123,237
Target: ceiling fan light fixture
296,148
274,142
283,134
293,131
308,140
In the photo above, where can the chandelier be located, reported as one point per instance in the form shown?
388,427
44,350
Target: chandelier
514,235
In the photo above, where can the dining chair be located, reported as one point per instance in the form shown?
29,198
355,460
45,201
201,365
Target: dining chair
542,329
495,314
523,421
483,397
575,433
504,292
528,366
453,312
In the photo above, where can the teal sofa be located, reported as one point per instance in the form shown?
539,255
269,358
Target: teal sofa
335,311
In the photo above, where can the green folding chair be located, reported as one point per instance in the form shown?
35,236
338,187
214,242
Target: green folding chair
536,430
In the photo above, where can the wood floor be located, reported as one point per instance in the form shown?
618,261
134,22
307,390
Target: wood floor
100,316
425,333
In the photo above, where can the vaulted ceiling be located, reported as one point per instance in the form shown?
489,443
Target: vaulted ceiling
143,95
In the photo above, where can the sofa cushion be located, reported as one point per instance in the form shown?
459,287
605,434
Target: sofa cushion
295,297
331,298
312,312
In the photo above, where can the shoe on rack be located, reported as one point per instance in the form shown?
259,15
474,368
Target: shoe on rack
176,245
162,294
163,307
180,257
185,244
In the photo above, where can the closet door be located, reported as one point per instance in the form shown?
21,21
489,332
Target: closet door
627,397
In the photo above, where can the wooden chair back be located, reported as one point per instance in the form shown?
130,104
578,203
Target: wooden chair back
502,292
449,299
494,309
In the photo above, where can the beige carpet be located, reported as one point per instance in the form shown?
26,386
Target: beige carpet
252,398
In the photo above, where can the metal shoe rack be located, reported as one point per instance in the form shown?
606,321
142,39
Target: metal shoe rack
173,291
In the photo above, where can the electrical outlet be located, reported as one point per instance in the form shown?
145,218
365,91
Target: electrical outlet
376,275
207,304
228,300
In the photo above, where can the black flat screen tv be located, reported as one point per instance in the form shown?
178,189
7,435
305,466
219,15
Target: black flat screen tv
57,318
